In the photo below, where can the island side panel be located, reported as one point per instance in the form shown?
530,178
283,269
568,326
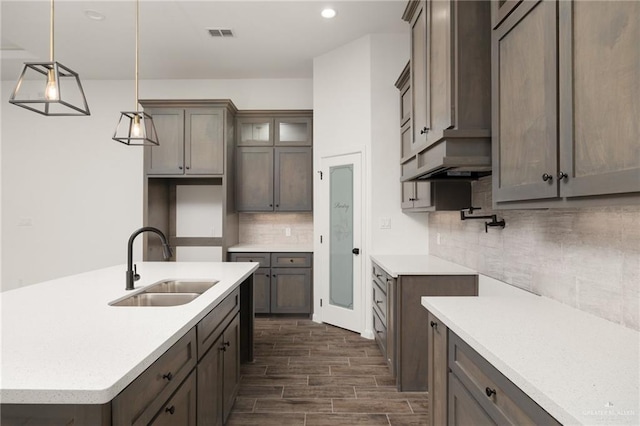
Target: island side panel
247,316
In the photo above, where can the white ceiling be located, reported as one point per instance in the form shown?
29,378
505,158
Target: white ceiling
273,39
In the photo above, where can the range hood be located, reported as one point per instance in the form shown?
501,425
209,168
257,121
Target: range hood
456,155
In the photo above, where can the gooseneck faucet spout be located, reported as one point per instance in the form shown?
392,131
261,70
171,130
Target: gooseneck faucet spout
132,276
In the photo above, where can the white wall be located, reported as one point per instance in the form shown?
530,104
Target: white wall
356,107
80,191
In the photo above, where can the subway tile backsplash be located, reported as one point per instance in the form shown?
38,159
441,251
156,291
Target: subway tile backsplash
270,228
587,258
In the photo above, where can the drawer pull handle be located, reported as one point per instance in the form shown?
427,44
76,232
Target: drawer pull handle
378,301
291,260
547,178
379,331
379,275
562,175
170,410
168,376
227,344
435,325
490,391
424,130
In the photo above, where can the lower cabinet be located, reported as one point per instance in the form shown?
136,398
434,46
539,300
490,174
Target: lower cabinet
282,284
399,320
465,389
181,407
219,377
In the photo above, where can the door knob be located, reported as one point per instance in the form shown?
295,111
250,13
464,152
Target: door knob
355,251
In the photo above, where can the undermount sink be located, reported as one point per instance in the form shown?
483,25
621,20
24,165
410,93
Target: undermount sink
157,299
167,293
180,286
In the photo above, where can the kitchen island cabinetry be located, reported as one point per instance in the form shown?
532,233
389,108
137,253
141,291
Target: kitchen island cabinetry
193,381
573,143
398,283
283,283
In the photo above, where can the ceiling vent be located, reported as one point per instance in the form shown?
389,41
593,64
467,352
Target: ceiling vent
220,32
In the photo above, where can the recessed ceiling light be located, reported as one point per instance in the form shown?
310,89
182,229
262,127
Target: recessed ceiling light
93,14
328,13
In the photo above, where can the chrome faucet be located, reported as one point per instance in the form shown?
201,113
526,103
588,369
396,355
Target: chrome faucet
132,275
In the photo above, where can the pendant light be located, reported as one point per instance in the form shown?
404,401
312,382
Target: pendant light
136,127
50,88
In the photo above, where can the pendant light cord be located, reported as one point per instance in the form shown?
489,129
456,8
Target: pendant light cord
137,37
51,35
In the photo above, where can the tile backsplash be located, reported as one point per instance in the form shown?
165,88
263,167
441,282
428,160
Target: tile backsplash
587,258
270,228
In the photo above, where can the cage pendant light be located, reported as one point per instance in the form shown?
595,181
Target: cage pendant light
50,88
136,127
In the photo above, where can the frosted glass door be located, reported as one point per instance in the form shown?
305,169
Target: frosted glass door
341,242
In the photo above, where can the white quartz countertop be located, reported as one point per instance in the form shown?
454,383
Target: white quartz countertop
580,368
273,248
396,265
63,344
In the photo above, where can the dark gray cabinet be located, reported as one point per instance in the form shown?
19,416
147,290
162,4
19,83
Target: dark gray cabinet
450,86
573,143
191,141
180,409
437,370
403,324
282,284
480,394
274,162
423,196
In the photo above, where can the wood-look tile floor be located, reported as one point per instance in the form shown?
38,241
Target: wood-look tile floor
312,374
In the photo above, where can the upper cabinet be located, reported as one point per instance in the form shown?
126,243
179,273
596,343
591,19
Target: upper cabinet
451,89
566,88
274,162
423,195
192,140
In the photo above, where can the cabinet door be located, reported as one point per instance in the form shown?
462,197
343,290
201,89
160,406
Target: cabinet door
262,290
408,195
294,131
255,131
231,366
293,179
204,141
599,97
463,408
420,114
168,157
423,197
209,372
438,370
440,61
525,97
181,407
254,179
290,290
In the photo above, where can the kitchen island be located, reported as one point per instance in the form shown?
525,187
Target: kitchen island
64,345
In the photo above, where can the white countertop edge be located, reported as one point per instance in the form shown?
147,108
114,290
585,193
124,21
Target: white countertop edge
396,265
103,396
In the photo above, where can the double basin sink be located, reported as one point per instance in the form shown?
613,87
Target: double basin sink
167,293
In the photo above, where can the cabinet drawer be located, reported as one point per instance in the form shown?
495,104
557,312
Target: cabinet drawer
263,258
380,300
216,321
380,274
180,409
503,400
380,331
141,400
296,260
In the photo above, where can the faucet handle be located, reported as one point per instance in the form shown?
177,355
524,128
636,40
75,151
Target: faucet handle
136,276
